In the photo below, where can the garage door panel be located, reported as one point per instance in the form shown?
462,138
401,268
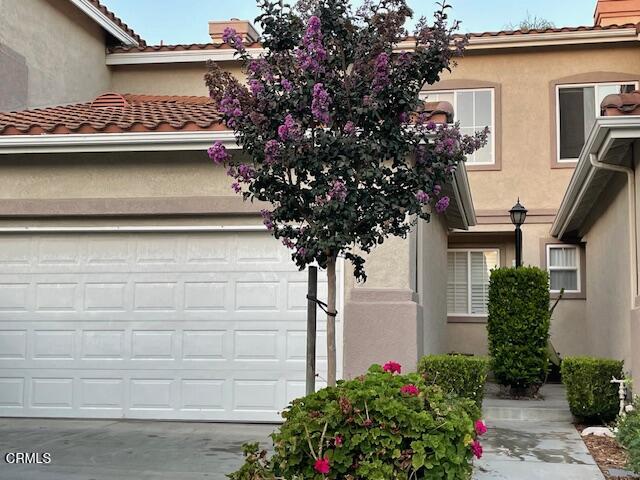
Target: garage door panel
170,326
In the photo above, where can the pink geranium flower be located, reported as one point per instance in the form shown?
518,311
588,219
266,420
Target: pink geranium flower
481,428
322,466
476,448
392,367
410,390
338,440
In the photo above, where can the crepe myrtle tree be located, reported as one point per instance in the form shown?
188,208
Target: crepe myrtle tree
334,134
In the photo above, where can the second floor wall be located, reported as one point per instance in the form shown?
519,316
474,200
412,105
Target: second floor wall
540,105
50,53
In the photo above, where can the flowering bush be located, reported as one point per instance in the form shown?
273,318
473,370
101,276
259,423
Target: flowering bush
334,133
380,426
629,435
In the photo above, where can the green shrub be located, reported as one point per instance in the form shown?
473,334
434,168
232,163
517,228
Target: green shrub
518,326
462,375
379,426
590,392
629,435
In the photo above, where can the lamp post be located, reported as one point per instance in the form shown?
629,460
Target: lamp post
518,215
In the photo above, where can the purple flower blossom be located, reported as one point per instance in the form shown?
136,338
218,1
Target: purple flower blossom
271,152
320,104
302,252
288,130
312,53
431,125
422,196
442,205
256,87
338,191
288,243
245,172
231,37
381,72
349,128
260,68
267,219
230,108
437,189
286,85
236,187
403,117
218,153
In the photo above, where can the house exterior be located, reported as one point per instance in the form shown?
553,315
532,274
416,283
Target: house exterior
134,283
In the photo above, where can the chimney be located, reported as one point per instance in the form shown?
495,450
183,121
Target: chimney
244,28
616,12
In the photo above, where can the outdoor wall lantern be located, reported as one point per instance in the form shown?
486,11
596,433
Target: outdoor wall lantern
518,215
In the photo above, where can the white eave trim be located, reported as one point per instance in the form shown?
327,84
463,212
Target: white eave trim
115,142
178,56
602,136
462,194
475,43
105,22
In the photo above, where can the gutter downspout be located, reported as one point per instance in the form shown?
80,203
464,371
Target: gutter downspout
633,245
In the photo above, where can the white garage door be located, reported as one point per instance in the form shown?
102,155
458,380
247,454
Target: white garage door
151,325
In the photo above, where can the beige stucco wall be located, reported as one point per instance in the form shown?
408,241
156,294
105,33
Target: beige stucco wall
526,113
124,174
608,286
169,79
526,109
51,53
432,284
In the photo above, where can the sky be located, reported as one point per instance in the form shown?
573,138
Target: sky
185,21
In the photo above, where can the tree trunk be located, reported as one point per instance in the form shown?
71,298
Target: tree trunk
331,322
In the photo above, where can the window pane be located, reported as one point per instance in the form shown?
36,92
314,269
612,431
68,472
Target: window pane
604,90
483,109
572,121
562,257
465,108
485,154
481,265
567,279
440,97
457,290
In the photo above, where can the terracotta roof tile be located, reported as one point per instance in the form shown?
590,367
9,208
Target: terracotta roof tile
137,113
118,21
501,33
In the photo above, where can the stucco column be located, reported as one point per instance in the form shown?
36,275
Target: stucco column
381,324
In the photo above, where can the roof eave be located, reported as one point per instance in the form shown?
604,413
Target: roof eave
116,142
105,22
463,201
599,143
479,43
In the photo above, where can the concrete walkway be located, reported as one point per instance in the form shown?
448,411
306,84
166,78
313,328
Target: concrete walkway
126,450
533,439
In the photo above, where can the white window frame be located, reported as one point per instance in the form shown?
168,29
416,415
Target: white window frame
596,86
577,268
425,94
468,252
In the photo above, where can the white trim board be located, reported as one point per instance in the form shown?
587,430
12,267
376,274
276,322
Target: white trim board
490,42
105,22
116,142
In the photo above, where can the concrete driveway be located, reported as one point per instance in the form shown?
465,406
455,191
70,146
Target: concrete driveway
125,450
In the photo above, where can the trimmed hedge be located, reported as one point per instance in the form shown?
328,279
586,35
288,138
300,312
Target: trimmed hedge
629,435
590,393
462,375
518,327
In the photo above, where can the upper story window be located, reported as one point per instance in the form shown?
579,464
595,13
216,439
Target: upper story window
578,106
474,109
563,263
468,274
